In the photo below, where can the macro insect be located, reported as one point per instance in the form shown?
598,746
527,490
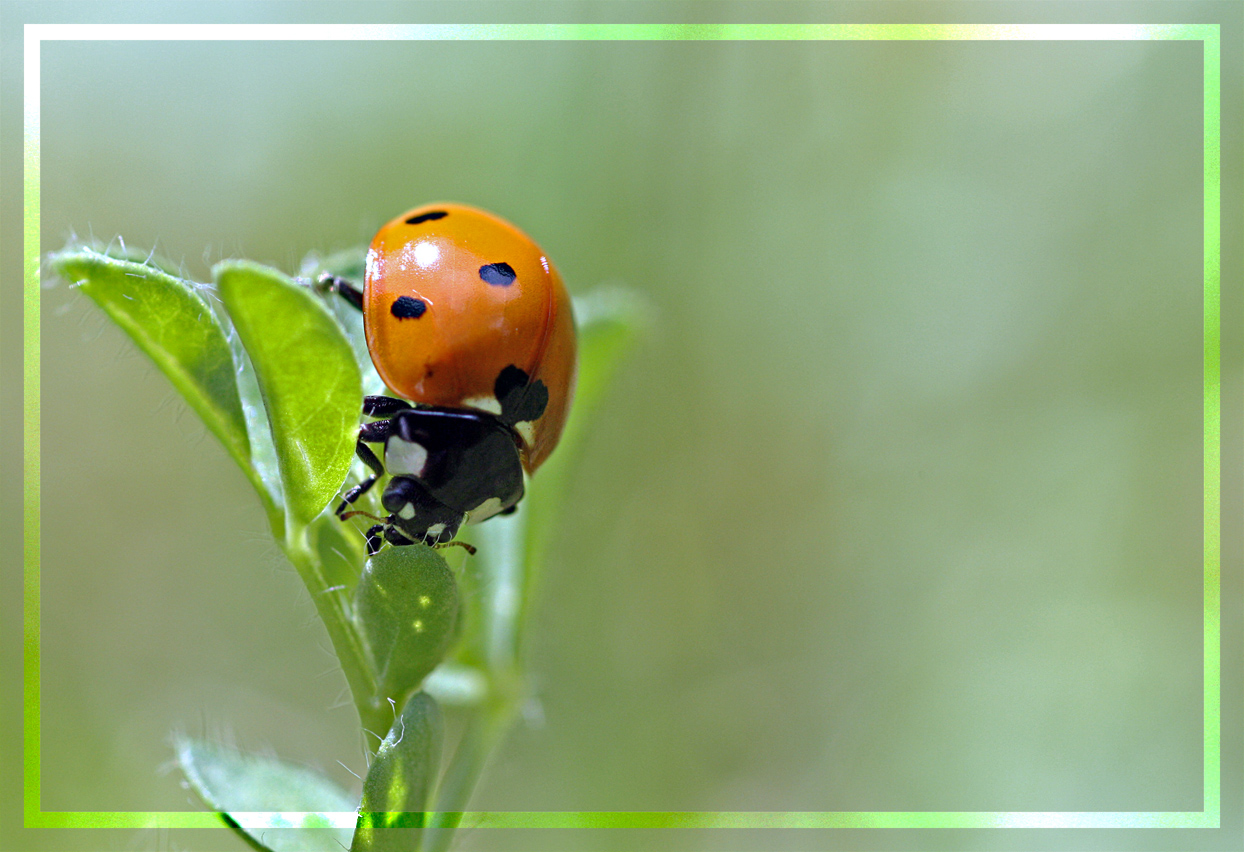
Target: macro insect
469,325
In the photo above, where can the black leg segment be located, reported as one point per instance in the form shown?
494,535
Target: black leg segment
375,538
368,458
343,288
376,432
384,406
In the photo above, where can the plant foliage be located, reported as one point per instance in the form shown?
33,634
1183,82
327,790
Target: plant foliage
277,373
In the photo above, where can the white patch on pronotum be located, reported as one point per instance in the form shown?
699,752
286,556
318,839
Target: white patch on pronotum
484,510
526,431
484,403
407,512
435,530
405,458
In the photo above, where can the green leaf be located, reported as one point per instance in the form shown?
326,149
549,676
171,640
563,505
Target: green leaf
609,322
167,318
340,551
406,608
399,784
350,265
118,250
457,685
273,804
307,376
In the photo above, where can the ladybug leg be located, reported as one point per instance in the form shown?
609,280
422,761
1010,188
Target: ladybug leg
384,406
379,534
372,433
342,288
375,538
368,458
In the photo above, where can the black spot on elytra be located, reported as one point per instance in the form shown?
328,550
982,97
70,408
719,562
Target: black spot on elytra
497,274
521,399
510,380
431,215
407,307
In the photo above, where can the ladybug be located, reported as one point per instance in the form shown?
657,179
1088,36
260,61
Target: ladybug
469,325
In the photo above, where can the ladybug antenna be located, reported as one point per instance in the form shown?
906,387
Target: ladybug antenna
361,512
469,548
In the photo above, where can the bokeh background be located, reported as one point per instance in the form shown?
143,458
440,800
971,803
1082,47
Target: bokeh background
896,507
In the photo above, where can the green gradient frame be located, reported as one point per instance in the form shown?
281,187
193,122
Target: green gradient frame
1207,34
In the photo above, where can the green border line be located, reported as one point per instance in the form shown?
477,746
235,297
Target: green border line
1212,423
1208,34
31,444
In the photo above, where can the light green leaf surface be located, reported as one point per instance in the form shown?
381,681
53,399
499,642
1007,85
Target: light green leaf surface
167,319
609,321
457,685
308,378
118,250
506,570
340,550
406,608
400,781
348,264
285,807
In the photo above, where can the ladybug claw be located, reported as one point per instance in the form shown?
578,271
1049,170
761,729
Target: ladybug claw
375,539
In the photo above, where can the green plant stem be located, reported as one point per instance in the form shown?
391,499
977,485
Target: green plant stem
335,613
503,571
503,591
484,732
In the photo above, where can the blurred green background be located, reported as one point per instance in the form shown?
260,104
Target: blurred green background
897,507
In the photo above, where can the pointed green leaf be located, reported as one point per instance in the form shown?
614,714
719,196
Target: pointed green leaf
263,454
167,318
349,265
457,685
609,322
273,804
307,376
340,551
406,608
118,250
399,784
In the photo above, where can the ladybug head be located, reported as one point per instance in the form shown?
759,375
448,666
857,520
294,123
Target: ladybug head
418,515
